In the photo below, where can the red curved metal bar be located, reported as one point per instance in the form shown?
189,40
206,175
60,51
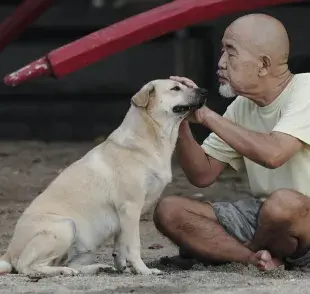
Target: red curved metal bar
131,32
26,13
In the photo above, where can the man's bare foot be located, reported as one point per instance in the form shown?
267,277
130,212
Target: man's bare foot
265,262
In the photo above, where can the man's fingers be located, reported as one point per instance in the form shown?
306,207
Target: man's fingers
178,79
186,81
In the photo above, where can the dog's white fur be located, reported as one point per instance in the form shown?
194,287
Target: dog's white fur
103,194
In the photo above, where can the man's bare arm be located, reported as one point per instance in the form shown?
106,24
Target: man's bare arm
200,169
269,150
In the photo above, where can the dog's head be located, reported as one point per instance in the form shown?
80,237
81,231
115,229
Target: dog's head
169,99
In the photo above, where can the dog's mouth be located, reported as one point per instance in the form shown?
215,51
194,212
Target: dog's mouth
187,108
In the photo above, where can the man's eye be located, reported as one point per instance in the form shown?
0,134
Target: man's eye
176,88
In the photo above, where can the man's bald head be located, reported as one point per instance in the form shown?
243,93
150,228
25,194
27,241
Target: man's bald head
261,34
255,53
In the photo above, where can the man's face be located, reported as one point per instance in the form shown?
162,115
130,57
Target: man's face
238,66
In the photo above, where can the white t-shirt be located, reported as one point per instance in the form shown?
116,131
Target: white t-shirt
289,114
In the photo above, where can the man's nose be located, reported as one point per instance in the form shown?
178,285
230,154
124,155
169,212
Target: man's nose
222,64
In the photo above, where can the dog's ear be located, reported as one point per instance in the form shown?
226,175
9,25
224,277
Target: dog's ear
142,98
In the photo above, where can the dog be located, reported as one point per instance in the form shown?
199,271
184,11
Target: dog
103,194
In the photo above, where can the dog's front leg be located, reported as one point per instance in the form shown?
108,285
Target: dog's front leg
130,238
119,254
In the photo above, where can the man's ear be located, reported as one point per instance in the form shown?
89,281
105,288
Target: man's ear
265,65
142,98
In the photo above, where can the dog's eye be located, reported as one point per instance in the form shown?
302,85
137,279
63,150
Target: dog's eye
176,88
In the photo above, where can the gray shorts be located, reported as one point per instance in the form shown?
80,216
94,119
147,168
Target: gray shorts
240,220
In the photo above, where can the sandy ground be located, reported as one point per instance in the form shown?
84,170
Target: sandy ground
27,167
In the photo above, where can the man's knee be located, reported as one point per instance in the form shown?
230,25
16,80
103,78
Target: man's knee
284,206
167,211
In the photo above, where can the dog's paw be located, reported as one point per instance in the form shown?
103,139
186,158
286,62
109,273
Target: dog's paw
149,271
35,277
125,270
156,271
107,269
120,263
66,271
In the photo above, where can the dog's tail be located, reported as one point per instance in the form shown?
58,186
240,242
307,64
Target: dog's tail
5,265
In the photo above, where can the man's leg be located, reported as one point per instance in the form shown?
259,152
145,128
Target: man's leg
193,224
283,231
283,228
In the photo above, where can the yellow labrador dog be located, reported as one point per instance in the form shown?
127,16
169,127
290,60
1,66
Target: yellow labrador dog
103,194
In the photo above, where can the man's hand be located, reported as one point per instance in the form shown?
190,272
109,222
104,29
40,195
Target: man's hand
197,116
185,81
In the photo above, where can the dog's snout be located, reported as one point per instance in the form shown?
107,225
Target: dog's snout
202,92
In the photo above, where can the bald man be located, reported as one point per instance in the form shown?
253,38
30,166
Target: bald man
265,130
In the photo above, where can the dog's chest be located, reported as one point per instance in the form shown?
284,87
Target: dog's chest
156,181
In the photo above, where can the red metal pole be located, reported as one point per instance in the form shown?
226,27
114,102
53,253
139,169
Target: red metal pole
26,13
131,32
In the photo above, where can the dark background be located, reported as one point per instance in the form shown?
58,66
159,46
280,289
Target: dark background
93,101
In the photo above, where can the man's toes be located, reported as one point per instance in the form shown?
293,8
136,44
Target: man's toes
264,255
265,261
262,266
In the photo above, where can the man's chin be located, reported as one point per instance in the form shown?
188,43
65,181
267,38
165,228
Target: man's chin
227,91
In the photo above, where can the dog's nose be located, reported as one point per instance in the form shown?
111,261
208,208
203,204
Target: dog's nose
202,91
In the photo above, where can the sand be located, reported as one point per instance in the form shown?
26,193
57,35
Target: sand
27,167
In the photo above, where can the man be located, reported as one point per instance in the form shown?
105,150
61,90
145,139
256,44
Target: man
267,131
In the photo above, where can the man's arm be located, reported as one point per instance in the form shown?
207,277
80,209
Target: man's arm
200,169
269,150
